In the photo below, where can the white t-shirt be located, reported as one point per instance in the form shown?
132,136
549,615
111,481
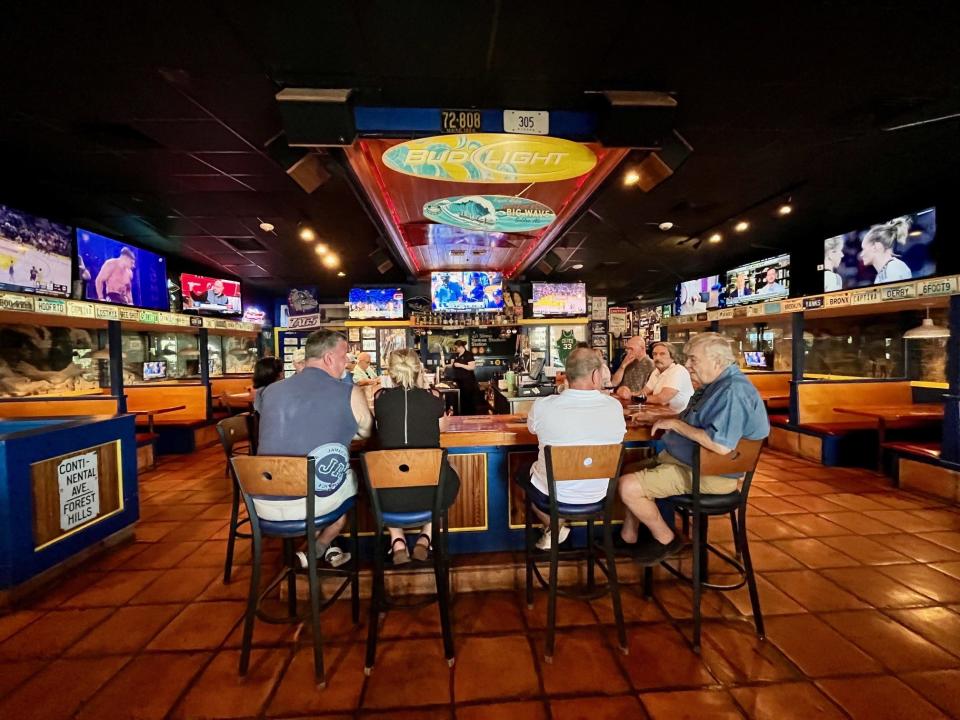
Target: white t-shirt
676,377
576,417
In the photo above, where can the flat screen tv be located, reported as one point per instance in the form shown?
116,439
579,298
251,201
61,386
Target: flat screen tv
697,296
758,281
897,250
551,299
369,303
35,253
210,296
467,291
118,273
156,370
755,360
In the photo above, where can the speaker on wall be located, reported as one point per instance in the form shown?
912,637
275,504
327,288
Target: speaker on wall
381,260
304,166
636,119
317,117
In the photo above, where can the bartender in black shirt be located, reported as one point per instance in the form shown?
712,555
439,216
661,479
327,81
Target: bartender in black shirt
464,366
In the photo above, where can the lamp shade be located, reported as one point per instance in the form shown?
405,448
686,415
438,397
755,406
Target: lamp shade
926,331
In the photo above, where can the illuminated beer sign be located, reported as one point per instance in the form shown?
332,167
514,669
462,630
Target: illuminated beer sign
500,213
491,158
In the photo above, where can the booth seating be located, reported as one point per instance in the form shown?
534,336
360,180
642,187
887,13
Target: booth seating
774,388
94,404
919,466
831,438
179,431
229,386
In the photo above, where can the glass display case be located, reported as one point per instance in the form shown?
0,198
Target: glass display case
151,357
240,354
52,361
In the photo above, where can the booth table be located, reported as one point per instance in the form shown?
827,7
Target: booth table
149,413
887,415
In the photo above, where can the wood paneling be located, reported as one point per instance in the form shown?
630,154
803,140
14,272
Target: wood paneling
770,382
817,400
784,440
96,405
930,479
46,491
229,385
266,475
810,447
192,397
470,508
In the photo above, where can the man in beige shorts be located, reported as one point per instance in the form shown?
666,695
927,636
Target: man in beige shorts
729,409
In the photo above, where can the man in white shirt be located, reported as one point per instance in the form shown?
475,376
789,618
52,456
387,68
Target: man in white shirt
669,384
580,416
364,373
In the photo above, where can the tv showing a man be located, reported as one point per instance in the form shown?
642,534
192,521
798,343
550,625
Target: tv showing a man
215,294
114,282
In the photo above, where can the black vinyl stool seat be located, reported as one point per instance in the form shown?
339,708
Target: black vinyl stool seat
237,436
289,478
697,508
408,468
565,463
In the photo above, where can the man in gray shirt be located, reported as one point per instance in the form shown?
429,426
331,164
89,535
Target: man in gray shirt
633,373
314,413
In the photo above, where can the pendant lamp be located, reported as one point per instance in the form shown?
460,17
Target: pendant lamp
927,330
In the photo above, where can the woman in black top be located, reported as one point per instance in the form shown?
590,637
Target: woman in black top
409,416
464,372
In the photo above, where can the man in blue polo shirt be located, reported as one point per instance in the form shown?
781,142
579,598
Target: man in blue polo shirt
729,410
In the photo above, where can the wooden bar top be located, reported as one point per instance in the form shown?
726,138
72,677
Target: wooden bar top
507,430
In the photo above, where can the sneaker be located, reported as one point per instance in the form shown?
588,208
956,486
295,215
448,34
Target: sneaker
544,542
334,557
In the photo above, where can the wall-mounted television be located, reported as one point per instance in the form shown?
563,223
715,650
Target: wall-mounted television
564,299
155,370
755,360
466,291
758,281
35,253
118,273
210,296
368,303
697,296
896,250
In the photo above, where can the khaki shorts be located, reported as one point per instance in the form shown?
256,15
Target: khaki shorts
668,477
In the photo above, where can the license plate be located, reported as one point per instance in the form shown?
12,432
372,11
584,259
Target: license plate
526,122
460,121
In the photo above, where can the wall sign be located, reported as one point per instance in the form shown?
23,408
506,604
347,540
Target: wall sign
526,122
617,321
51,306
78,479
490,158
502,213
598,308
813,303
898,292
789,306
108,312
865,297
300,322
942,286
22,303
129,314
838,300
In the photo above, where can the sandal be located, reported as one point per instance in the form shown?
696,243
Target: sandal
401,555
421,551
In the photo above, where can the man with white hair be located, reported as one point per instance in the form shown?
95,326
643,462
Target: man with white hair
634,370
729,410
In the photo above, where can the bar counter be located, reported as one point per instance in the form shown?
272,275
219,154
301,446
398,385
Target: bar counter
486,450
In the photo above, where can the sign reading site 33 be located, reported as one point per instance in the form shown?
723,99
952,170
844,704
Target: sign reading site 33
491,158
501,213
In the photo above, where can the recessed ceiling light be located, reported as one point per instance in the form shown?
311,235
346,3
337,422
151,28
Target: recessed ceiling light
715,238
331,260
341,274
307,234
321,249
742,226
266,227
785,209
631,178
578,266
665,226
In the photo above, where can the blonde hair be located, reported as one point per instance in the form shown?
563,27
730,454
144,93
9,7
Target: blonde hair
404,368
890,234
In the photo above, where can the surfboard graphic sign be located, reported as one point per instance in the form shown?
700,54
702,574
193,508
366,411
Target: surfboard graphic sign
491,158
500,213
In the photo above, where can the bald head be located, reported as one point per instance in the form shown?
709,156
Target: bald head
363,360
637,345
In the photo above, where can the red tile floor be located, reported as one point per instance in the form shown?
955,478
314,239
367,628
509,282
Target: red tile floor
860,585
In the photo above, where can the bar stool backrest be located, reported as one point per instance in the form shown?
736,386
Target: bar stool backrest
233,430
582,462
403,468
742,460
273,477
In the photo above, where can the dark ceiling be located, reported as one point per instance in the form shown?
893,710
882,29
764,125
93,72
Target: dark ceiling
150,120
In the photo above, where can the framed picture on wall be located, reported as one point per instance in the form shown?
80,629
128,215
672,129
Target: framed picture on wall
353,334
369,345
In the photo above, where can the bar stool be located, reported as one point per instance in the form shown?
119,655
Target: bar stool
697,508
290,478
236,438
408,468
565,463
